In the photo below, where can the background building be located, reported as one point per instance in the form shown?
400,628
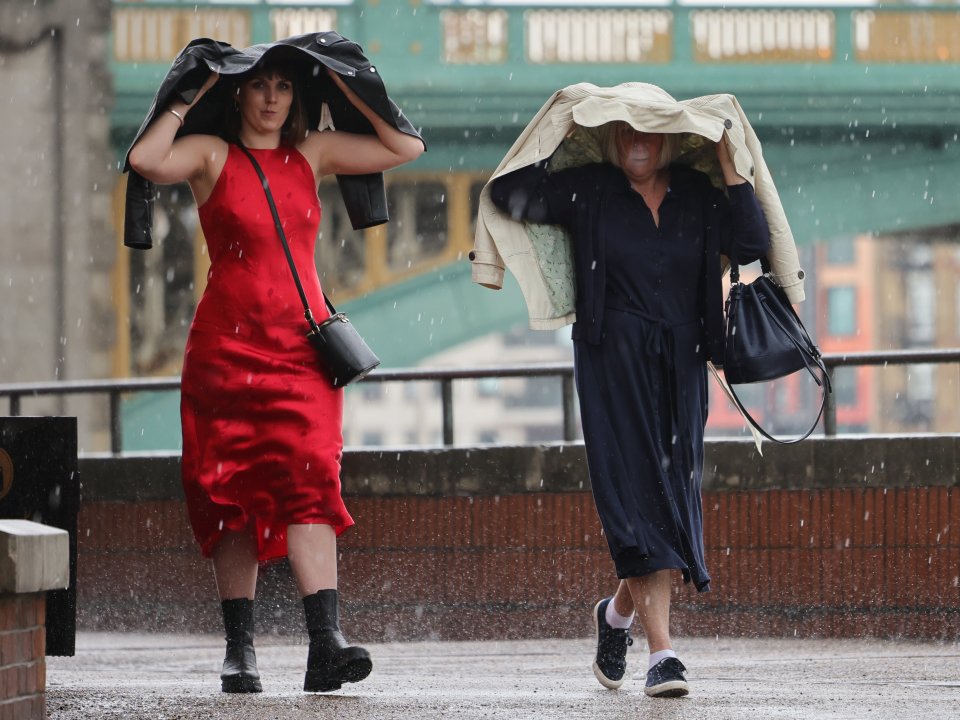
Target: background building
57,255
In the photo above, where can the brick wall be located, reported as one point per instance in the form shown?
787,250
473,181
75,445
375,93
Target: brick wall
831,562
22,663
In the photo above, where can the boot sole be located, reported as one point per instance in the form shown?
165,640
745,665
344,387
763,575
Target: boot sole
240,685
352,671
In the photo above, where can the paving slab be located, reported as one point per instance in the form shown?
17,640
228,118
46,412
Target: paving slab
175,677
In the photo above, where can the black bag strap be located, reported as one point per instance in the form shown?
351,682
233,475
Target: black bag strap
735,269
813,359
825,387
307,313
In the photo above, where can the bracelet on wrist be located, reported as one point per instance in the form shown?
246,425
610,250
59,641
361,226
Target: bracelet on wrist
177,115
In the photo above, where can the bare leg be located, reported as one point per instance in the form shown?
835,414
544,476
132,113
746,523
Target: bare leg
331,660
623,600
651,598
312,550
235,565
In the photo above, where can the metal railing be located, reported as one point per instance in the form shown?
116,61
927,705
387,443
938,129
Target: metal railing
115,389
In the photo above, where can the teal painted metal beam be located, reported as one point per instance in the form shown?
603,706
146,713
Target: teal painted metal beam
405,41
410,321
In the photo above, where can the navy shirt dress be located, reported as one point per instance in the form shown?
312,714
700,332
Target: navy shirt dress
639,343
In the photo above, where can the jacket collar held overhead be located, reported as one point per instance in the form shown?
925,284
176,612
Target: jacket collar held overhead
565,130
310,55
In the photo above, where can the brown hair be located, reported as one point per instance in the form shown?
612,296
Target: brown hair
669,151
295,127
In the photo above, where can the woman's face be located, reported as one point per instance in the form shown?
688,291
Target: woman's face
638,152
265,102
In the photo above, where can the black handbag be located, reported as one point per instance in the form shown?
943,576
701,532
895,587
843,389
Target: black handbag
765,340
344,356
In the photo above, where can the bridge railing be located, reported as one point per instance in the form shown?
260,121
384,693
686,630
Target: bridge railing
15,393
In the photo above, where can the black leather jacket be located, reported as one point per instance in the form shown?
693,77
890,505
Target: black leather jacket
363,195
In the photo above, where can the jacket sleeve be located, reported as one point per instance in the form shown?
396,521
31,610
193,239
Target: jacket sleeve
782,254
742,227
185,77
534,195
364,196
138,212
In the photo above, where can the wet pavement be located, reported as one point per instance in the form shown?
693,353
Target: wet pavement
175,677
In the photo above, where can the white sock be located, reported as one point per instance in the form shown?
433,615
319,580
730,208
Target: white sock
616,620
660,655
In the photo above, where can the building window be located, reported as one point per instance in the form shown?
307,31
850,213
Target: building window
418,227
763,36
340,252
299,21
537,392
372,438
918,408
524,336
956,309
411,390
542,433
474,37
598,36
842,311
488,387
372,391
162,290
920,385
921,306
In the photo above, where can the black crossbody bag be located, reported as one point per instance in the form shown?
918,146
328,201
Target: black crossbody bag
764,340
344,356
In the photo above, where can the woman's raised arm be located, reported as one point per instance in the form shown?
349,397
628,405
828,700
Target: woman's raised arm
343,153
162,159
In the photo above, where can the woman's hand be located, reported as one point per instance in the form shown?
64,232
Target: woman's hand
344,153
211,81
182,107
338,81
730,174
154,155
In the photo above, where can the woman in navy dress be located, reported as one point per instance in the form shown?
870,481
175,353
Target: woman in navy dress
647,235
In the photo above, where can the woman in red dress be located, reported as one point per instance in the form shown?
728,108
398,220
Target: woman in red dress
262,435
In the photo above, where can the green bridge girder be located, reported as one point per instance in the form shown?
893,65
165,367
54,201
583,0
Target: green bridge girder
854,147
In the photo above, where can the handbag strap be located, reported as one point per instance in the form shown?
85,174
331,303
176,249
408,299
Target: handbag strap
307,313
735,268
824,385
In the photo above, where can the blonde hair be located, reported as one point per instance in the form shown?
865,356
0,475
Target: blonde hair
669,151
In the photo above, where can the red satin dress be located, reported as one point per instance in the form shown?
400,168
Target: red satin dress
262,427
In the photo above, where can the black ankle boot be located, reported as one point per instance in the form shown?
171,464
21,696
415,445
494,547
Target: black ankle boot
331,661
239,673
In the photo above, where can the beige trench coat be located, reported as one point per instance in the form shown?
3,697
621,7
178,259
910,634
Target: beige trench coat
540,256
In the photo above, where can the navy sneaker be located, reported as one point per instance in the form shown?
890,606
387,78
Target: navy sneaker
610,665
666,679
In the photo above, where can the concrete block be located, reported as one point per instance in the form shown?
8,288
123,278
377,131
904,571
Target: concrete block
33,557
